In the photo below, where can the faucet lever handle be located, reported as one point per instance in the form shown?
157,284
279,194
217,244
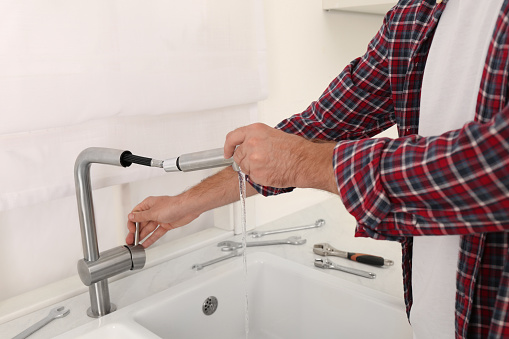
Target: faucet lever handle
137,235
138,256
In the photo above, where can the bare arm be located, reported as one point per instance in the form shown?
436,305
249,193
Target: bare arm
169,212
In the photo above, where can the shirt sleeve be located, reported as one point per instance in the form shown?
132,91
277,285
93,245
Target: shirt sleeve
455,183
357,103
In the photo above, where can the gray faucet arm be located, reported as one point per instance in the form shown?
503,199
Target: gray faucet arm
96,267
83,185
198,161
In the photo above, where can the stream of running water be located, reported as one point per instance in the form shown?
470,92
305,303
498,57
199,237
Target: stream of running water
242,190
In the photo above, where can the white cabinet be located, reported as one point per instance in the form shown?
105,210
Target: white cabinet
363,6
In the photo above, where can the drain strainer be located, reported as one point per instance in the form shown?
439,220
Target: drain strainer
209,305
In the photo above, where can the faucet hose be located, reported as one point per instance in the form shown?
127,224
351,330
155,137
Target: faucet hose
127,158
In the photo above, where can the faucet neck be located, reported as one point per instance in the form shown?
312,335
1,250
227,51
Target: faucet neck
99,292
83,186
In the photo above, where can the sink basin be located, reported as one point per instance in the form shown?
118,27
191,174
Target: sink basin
286,300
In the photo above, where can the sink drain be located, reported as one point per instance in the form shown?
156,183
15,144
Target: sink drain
209,305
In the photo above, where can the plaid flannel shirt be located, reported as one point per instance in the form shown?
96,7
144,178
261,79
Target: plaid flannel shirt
455,183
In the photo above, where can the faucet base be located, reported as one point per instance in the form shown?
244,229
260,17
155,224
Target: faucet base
91,314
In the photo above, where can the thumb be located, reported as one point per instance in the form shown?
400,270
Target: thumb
139,216
233,139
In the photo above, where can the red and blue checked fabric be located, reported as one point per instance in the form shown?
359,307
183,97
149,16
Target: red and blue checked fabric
454,183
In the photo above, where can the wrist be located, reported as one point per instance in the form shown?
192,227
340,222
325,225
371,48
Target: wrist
315,169
190,203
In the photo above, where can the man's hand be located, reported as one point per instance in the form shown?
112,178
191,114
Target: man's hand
274,158
158,215
161,214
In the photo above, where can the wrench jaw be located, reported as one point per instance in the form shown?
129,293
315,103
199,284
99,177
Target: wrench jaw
322,263
225,243
60,312
229,248
197,267
324,249
228,245
319,223
296,241
320,249
255,234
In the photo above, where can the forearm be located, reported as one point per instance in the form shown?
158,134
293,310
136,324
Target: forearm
314,167
215,191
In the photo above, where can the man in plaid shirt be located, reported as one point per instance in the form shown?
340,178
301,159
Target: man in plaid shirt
452,184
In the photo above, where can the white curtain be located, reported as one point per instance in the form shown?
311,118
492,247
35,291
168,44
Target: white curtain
75,74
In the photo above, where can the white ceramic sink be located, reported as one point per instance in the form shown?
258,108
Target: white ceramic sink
286,300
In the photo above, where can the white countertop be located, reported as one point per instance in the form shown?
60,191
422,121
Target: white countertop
172,267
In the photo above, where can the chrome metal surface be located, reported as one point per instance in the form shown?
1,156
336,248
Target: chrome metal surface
203,159
156,163
84,194
110,263
256,234
327,264
325,249
233,254
170,165
99,294
102,311
210,305
138,256
96,267
197,161
55,313
233,245
137,234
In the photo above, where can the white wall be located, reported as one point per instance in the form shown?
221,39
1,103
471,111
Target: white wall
306,48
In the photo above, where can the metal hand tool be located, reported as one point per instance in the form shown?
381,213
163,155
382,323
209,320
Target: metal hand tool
198,267
326,263
55,313
233,245
325,249
318,223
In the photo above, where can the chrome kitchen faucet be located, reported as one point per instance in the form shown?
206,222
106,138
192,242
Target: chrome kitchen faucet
95,268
